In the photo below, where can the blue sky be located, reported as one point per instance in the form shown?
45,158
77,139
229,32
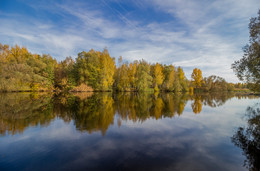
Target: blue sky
207,34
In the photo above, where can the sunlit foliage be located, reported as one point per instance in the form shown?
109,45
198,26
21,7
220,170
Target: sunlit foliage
144,79
96,69
158,76
197,78
169,73
21,70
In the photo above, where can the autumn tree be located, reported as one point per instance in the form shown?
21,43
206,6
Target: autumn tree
123,79
197,78
96,69
132,70
169,72
183,80
179,81
158,76
107,70
21,70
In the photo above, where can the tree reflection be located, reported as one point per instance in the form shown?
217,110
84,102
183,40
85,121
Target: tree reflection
197,104
93,112
215,99
158,107
20,110
248,139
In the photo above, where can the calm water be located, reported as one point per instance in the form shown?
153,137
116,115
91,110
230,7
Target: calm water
104,131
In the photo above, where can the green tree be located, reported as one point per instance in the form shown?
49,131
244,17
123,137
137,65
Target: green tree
132,70
215,83
96,69
88,68
144,79
248,67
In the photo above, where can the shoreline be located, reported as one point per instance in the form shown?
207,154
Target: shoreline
99,91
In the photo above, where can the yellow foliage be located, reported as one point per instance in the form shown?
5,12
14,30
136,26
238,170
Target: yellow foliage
158,75
180,74
159,105
197,78
191,91
197,105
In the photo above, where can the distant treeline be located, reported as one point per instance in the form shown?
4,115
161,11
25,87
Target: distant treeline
21,70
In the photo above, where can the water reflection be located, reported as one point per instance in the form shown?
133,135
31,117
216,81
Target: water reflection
197,104
19,111
93,112
248,139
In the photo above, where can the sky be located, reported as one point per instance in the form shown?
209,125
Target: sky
206,34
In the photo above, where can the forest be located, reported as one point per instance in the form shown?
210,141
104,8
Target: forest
21,70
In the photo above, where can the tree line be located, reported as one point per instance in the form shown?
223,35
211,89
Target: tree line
21,70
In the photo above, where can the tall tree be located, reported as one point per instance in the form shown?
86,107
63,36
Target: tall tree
169,72
132,70
65,74
197,78
123,82
96,69
88,68
144,79
180,81
248,67
107,70
158,76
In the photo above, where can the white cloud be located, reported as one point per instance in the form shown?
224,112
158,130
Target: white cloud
211,37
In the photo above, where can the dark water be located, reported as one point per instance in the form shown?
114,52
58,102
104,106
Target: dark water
104,131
